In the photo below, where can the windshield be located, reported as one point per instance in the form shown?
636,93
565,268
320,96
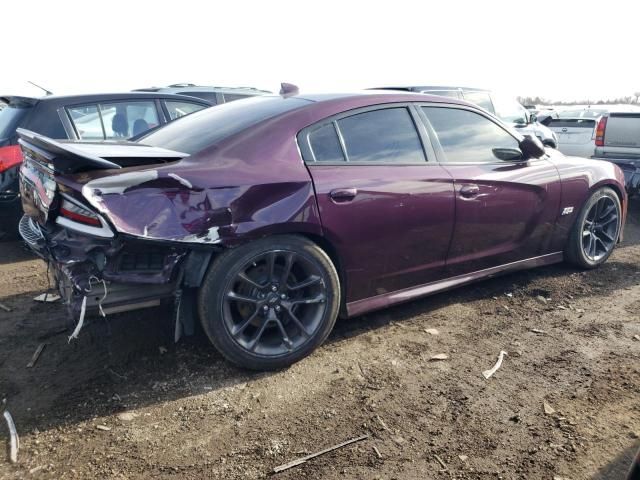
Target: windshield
207,127
509,110
10,117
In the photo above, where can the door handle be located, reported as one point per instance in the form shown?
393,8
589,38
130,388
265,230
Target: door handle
469,191
340,195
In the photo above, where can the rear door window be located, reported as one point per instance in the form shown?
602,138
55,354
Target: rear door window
386,135
114,121
127,119
180,109
86,120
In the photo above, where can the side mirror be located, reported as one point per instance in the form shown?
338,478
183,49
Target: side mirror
508,154
531,147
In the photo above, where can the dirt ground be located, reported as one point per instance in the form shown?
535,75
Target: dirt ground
166,411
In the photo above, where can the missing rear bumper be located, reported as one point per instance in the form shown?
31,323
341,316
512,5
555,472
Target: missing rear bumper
115,275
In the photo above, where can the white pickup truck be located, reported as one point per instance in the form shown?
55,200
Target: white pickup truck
618,140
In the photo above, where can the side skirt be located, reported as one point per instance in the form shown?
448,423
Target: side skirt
387,299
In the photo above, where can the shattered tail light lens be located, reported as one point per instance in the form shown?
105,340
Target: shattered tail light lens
79,214
9,157
602,126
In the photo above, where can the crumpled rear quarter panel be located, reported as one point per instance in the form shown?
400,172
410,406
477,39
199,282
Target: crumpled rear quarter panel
243,188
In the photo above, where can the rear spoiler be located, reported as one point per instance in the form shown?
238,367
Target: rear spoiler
64,157
18,101
71,157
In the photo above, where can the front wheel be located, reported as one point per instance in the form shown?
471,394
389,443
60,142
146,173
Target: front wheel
269,303
596,230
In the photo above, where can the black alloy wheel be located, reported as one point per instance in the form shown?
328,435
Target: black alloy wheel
600,229
596,230
267,304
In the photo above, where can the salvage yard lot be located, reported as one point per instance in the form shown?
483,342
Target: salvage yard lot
122,402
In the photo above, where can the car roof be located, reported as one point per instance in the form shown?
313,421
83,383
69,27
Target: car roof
188,87
385,96
99,97
435,88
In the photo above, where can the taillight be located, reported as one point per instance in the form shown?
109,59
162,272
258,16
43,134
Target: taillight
602,126
9,157
79,214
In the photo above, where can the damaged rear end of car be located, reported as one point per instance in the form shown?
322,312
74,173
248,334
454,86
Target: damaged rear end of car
130,225
102,262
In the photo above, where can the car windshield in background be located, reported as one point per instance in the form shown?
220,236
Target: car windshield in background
200,130
586,113
509,110
10,116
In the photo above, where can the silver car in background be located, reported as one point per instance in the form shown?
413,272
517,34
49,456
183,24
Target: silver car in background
576,135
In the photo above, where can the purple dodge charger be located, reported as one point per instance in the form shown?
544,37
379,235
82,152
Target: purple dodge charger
266,219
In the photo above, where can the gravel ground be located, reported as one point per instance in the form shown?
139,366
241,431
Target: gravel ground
123,402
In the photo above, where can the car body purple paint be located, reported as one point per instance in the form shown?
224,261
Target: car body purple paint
394,232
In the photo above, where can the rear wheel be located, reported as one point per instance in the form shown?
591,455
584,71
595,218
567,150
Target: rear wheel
267,304
596,230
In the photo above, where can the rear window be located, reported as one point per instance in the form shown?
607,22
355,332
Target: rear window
10,118
580,123
207,127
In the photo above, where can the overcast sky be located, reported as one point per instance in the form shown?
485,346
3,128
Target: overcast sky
571,49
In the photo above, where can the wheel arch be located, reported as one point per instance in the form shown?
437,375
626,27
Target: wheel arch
330,249
199,261
622,196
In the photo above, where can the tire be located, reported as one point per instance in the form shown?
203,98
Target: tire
269,303
604,234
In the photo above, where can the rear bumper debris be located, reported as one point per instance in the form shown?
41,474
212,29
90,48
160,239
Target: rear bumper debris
115,275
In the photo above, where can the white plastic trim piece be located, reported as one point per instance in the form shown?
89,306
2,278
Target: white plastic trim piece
488,373
76,331
14,440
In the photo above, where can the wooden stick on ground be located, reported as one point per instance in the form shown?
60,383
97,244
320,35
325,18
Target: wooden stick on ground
36,355
441,462
302,460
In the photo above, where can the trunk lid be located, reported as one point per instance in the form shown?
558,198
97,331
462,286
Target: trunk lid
574,131
49,166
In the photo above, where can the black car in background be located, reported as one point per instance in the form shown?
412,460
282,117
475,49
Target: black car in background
103,117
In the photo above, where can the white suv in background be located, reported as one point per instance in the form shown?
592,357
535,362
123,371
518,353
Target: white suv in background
505,108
